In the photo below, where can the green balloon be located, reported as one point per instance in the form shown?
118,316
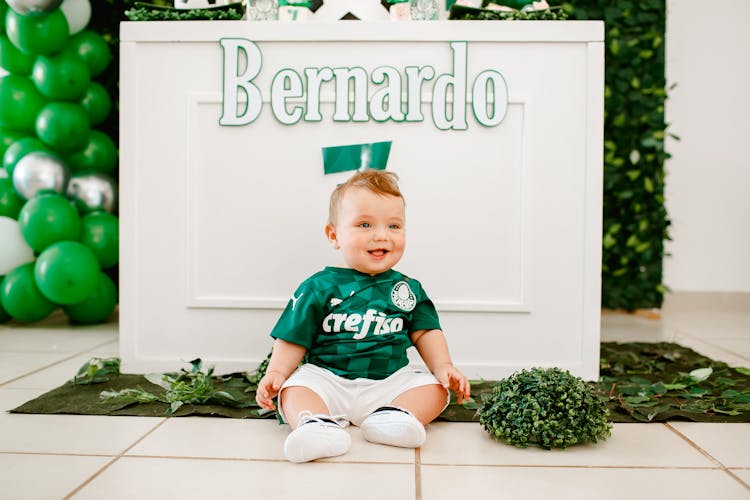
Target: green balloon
100,232
7,138
20,102
3,10
98,307
19,149
13,60
97,103
67,272
99,155
64,126
48,218
40,35
20,296
10,202
4,316
62,76
93,49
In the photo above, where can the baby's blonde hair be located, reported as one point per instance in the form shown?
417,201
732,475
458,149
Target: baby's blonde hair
377,181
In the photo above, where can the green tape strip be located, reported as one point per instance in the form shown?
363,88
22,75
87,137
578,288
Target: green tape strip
296,3
356,156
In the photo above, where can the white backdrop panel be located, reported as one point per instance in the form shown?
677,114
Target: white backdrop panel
219,224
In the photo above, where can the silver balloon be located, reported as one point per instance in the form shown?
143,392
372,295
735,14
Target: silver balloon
33,7
40,171
93,191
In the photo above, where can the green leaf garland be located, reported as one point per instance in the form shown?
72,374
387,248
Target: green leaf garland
635,219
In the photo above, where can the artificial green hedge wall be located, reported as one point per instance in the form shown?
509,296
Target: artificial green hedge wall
635,219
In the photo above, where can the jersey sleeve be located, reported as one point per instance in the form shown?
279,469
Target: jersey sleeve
301,319
424,316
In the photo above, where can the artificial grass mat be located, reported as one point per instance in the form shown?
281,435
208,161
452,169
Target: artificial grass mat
639,382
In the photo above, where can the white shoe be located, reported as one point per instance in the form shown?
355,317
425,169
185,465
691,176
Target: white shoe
394,427
316,436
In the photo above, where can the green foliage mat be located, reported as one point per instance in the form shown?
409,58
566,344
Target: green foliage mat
640,382
643,382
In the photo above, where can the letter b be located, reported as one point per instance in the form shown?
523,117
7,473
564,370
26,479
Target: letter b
232,114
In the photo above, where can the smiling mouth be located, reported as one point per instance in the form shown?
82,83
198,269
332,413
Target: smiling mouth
379,252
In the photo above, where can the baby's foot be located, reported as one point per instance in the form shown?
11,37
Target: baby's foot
393,426
316,436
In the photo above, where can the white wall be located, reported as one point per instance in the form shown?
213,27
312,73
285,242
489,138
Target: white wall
708,176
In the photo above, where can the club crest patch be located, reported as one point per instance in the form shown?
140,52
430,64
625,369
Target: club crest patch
403,297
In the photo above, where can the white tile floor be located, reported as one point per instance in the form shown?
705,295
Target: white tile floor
47,457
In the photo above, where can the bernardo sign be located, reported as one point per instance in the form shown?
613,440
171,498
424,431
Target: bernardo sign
296,96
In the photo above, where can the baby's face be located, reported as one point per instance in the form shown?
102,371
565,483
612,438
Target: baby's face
369,230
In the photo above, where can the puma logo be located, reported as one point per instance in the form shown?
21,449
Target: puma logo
295,299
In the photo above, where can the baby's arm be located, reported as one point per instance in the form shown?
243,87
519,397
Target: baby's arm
284,360
433,348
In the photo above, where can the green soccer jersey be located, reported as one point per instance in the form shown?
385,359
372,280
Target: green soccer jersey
354,324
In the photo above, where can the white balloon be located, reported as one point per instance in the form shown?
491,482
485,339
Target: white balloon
77,13
14,250
33,7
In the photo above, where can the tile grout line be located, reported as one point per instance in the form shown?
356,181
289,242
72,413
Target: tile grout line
37,370
56,454
197,457
417,474
250,459
710,343
728,351
558,466
111,462
708,455
365,462
228,459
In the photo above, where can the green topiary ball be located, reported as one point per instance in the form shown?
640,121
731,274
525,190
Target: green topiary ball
549,408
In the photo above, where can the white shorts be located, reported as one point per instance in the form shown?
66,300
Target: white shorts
354,400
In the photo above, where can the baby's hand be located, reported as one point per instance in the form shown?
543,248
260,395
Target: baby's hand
449,376
268,388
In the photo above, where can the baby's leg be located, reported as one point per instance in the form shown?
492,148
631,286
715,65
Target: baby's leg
426,402
402,422
296,400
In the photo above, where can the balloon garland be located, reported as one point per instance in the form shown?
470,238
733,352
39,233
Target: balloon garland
58,194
